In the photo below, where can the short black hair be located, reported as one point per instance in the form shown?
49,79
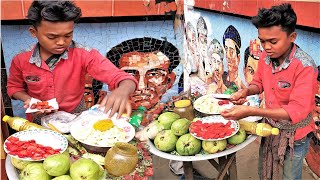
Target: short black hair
282,15
232,33
53,11
246,56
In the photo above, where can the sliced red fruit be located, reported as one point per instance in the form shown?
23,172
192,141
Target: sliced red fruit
13,139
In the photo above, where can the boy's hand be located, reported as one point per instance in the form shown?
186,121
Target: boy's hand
27,103
41,111
118,100
239,97
236,112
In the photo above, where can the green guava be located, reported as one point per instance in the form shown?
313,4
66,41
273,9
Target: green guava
34,171
238,138
57,164
180,126
18,163
214,146
85,169
63,177
165,141
167,118
188,145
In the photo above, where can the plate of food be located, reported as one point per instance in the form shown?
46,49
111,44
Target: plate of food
213,128
35,144
102,132
212,104
36,105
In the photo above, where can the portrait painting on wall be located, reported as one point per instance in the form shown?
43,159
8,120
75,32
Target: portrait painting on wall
156,66
215,66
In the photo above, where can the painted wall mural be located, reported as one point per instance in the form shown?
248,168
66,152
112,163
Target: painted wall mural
223,51
155,65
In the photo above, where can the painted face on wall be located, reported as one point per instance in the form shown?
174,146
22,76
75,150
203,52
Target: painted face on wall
202,35
233,59
215,56
191,41
151,69
217,68
250,68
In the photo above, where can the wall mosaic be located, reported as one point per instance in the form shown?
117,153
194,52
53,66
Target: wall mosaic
104,37
223,50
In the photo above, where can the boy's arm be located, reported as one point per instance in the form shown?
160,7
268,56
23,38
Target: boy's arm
240,96
22,96
102,69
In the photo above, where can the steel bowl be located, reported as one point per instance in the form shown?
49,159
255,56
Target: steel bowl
95,149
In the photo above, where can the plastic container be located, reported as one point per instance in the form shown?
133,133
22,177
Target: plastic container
61,120
121,159
260,129
137,116
20,124
184,109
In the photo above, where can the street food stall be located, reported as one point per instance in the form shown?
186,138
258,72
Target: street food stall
80,142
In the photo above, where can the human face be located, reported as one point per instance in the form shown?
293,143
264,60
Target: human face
232,57
53,37
276,42
218,70
250,68
191,39
151,71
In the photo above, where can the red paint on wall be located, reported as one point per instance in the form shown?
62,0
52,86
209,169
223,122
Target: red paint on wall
11,10
308,12
95,8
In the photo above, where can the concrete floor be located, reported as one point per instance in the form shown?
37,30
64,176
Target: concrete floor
247,166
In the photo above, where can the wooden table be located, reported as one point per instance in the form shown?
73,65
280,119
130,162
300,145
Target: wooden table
226,164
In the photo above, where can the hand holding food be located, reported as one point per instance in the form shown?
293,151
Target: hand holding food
239,97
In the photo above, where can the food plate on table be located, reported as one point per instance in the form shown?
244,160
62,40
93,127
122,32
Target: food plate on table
213,128
212,103
35,144
93,128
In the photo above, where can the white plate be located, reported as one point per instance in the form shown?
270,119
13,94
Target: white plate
82,129
221,96
41,136
215,119
52,102
251,118
208,104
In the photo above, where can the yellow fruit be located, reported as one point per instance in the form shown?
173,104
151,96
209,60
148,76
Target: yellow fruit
103,125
